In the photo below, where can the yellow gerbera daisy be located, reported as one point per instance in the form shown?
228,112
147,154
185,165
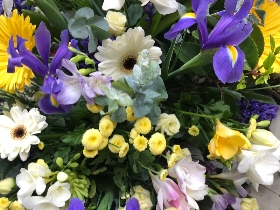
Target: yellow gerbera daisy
271,27
13,26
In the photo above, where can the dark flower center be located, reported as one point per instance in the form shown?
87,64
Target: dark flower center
128,63
19,132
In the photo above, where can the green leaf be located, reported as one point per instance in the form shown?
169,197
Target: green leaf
135,12
112,106
75,137
84,12
258,97
155,22
261,14
120,177
141,108
202,59
106,201
77,27
52,13
272,43
188,51
99,27
119,115
165,22
122,85
249,47
259,3
268,62
257,36
101,100
166,62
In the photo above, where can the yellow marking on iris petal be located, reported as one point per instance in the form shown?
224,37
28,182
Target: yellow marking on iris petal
233,54
54,101
189,15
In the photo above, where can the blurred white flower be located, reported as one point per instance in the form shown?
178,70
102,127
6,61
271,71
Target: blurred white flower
163,6
17,132
168,123
118,57
259,167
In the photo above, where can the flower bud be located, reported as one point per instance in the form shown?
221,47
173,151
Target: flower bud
78,58
263,123
263,137
74,165
116,22
61,176
249,204
77,156
6,185
89,61
59,162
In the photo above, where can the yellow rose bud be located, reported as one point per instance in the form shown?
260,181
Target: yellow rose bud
116,22
6,185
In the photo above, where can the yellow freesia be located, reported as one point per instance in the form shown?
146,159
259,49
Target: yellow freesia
226,142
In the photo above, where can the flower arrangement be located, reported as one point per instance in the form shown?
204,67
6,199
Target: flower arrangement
104,101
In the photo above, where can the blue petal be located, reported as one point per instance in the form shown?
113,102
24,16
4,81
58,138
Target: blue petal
132,204
186,21
43,42
228,64
14,59
48,106
76,204
61,53
230,6
202,9
203,32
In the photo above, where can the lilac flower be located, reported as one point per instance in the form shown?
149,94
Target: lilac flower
229,32
76,204
264,110
132,204
51,87
220,202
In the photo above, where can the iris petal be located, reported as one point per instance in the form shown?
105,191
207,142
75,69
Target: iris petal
228,64
47,106
43,42
186,21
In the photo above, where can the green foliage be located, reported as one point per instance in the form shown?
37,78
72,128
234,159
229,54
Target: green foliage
74,138
249,47
86,24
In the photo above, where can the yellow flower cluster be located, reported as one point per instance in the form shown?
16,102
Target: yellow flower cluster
130,114
5,204
117,144
193,130
94,140
94,108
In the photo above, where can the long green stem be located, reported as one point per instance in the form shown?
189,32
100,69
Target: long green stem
193,114
147,167
263,88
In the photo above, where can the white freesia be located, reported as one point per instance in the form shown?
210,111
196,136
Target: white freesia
17,132
32,179
163,6
57,195
263,137
259,167
62,176
168,123
116,22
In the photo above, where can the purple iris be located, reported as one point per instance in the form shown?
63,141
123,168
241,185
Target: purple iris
76,204
132,204
229,32
51,86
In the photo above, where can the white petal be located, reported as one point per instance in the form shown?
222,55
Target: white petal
112,4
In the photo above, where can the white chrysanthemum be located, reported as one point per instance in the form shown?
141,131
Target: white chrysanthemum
118,57
17,132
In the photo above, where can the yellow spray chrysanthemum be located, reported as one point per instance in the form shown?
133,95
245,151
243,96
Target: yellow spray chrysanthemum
104,143
107,117
157,143
16,206
92,139
193,130
94,108
130,114
176,149
140,143
4,202
271,27
90,153
123,150
106,127
143,125
115,143
171,160
14,26
163,174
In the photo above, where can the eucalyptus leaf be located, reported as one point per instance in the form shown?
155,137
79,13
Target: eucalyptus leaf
135,12
84,12
119,115
77,27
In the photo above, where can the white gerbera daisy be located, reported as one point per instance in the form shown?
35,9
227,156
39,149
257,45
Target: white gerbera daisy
118,57
17,132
